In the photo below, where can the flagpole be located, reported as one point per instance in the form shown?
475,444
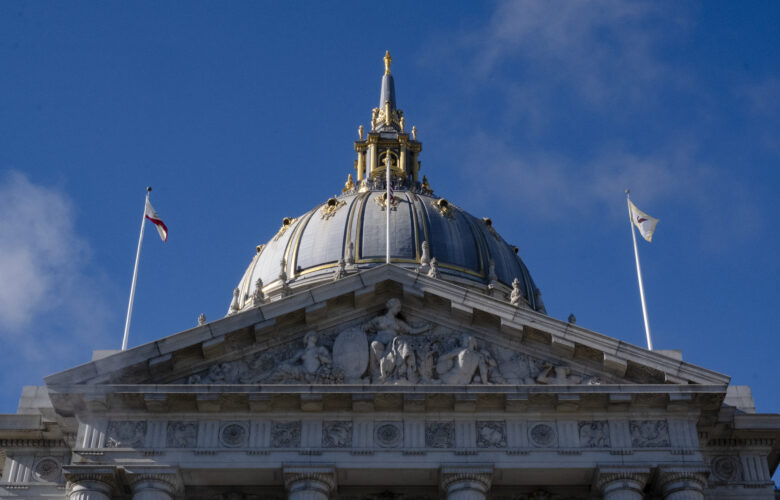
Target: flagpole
639,275
135,274
387,206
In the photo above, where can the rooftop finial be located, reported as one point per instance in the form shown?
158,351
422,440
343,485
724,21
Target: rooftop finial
388,60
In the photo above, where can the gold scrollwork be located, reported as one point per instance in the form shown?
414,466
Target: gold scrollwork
287,222
443,207
381,201
330,207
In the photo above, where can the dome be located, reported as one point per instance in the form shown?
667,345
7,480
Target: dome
347,234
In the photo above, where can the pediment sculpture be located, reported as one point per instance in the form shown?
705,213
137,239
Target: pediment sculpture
389,350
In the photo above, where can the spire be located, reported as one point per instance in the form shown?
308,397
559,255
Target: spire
386,141
387,94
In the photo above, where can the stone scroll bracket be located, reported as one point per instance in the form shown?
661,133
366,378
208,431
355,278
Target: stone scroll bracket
466,482
307,482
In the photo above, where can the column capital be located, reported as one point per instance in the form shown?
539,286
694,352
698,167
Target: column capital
687,477
310,477
613,478
100,479
153,477
474,477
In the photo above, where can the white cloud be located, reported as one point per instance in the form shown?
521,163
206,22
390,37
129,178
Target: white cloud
46,288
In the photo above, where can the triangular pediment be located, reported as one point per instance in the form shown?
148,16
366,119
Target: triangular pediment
344,334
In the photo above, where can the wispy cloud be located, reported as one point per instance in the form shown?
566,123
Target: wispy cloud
51,302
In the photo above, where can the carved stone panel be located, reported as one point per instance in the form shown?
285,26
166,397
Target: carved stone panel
47,469
649,433
594,434
388,434
440,434
181,434
542,435
125,434
286,434
233,434
491,434
337,434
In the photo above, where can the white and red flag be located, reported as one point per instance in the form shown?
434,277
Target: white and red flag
642,221
151,214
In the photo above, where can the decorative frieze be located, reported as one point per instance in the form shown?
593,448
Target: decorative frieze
181,434
286,434
47,469
649,433
542,435
491,434
440,434
388,434
594,434
234,434
337,434
125,434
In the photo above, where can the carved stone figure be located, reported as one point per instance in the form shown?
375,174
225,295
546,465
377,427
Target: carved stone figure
307,363
649,433
491,434
258,297
459,366
283,278
361,132
433,272
401,123
516,298
425,257
337,434
201,319
181,435
390,353
341,270
350,254
414,133
594,434
125,434
492,276
233,309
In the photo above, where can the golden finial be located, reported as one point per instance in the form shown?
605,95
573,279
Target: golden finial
388,60
426,187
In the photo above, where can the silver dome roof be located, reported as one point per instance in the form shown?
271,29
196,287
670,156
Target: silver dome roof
311,245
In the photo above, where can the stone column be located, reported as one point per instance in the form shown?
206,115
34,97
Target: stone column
683,482
309,482
153,482
621,483
89,482
466,482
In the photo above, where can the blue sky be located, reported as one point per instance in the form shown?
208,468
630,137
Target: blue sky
537,114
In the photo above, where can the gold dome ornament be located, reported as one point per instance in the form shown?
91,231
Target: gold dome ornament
388,61
349,185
